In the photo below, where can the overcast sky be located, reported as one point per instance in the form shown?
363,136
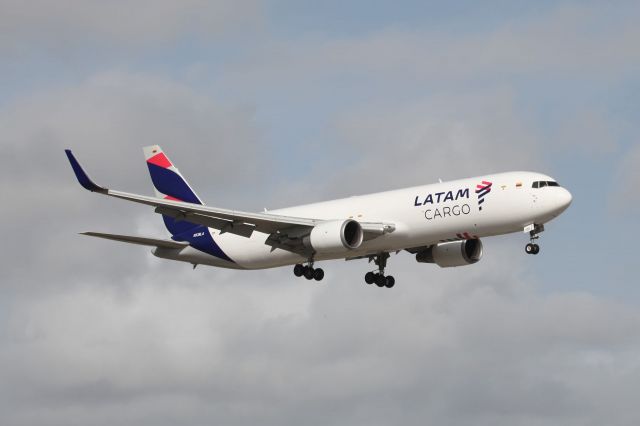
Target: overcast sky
277,103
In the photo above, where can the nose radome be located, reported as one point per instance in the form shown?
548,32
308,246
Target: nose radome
565,198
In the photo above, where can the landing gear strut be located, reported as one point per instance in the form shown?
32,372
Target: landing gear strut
308,271
532,247
378,277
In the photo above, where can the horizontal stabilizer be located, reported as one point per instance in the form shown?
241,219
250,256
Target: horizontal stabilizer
154,242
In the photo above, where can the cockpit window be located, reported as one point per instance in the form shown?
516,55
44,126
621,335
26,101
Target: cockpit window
543,183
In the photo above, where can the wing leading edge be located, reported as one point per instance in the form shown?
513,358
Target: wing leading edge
225,220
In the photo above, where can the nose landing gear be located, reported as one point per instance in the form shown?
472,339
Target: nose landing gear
378,277
532,248
534,231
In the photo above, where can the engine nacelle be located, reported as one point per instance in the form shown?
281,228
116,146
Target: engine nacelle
456,253
335,236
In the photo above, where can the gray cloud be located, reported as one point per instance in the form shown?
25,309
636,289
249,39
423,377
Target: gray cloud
107,120
94,333
166,344
448,136
568,42
71,23
466,345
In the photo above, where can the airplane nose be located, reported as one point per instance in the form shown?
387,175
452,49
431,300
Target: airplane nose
564,199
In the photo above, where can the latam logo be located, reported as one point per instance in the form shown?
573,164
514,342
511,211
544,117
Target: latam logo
482,190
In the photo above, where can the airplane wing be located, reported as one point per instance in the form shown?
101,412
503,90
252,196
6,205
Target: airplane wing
281,228
144,241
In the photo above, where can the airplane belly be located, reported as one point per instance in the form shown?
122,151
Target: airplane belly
194,257
253,253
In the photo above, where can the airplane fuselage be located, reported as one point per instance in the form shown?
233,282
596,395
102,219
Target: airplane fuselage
422,216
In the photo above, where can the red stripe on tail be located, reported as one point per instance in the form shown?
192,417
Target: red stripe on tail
160,160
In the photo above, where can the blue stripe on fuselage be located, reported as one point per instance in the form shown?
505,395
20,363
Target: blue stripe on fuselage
200,239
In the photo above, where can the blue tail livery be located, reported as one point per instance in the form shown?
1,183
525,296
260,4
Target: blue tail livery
170,185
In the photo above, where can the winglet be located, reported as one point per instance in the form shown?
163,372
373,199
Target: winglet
81,175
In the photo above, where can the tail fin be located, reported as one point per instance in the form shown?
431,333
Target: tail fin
169,184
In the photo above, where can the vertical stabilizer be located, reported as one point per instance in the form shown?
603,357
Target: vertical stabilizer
170,185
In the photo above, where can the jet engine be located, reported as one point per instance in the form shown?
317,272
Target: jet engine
456,253
335,236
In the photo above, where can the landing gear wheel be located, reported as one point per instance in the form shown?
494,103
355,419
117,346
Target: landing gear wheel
390,282
379,278
298,270
532,248
308,272
370,278
534,234
318,274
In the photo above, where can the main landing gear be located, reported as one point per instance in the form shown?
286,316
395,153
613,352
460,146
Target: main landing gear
532,247
308,271
378,277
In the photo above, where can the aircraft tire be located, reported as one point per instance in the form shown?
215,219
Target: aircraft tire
370,278
308,272
318,274
390,282
298,270
381,280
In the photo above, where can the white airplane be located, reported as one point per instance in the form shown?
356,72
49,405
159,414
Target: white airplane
440,223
